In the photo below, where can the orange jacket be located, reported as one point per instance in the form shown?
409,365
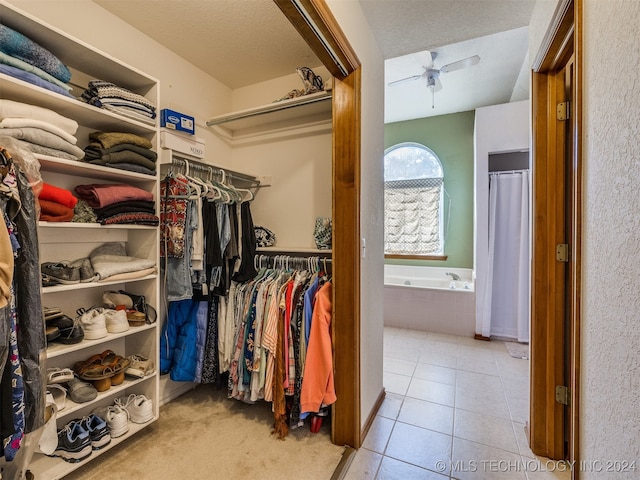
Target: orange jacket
317,383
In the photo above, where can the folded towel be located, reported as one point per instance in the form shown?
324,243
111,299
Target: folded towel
13,122
59,195
27,67
110,259
44,138
17,45
10,108
32,79
54,212
111,139
42,150
102,195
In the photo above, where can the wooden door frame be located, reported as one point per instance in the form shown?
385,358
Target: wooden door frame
317,25
546,429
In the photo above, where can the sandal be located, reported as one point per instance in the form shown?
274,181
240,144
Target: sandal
59,394
59,375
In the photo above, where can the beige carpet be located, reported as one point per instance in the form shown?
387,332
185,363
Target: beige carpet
204,435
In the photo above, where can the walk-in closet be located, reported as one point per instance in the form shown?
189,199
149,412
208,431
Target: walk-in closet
230,229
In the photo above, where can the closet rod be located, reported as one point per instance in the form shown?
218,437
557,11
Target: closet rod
178,160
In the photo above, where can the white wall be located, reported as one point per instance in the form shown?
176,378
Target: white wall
352,21
498,128
610,362
610,370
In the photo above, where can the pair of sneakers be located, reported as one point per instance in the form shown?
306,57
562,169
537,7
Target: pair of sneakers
78,438
135,408
97,322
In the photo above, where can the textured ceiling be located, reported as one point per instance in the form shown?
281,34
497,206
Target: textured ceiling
238,42
407,26
242,42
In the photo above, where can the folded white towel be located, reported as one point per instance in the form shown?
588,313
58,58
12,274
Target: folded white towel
10,108
15,122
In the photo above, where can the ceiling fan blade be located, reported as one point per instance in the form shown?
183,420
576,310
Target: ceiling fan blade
467,62
438,85
404,80
425,58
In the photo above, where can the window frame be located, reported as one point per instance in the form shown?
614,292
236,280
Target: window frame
440,255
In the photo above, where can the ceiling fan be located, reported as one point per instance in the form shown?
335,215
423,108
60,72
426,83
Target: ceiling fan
432,75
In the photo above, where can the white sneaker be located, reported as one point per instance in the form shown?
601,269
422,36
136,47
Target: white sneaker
94,323
116,320
139,407
117,419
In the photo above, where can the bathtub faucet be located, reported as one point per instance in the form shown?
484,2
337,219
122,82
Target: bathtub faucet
454,276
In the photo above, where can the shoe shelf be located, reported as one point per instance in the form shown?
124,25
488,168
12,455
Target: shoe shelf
72,407
54,468
81,169
82,286
55,349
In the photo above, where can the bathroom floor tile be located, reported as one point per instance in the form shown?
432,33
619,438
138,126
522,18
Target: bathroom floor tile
378,435
481,428
392,469
364,466
474,461
432,391
399,366
436,358
395,383
435,373
478,365
427,415
418,446
391,405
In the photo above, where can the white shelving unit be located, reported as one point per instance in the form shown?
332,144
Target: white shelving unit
296,116
70,241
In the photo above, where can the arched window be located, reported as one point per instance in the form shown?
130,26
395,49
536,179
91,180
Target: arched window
413,201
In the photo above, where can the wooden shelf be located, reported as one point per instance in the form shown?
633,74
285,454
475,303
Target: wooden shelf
309,111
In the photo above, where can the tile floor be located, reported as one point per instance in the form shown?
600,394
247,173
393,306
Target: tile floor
455,408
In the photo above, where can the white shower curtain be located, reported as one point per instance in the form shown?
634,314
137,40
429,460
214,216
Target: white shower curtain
507,296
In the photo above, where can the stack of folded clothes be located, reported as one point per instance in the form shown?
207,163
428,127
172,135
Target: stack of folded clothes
22,58
119,204
126,151
40,130
56,204
119,100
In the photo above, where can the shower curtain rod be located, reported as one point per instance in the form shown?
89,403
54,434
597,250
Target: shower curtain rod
500,172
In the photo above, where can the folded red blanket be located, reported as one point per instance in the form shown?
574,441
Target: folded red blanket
57,195
54,212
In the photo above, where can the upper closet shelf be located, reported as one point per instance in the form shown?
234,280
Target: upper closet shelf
83,113
307,112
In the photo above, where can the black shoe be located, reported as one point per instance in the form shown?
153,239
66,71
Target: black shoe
74,443
70,330
52,332
98,431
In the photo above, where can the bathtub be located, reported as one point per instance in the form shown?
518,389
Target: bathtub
425,298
